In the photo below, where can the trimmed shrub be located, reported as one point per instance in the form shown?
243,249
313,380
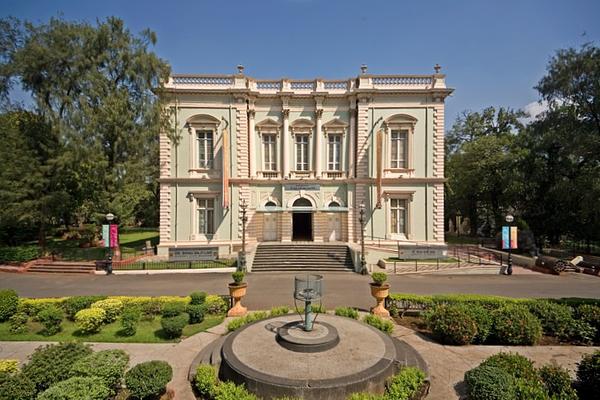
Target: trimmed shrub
215,305
277,311
555,318
18,323
236,324
173,326
72,305
514,364
347,312
196,313
489,383
16,386
51,317
580,331
197,298
130,317
514,324
50,364
557,382
90,320
238,277
9,366
111,307
150,309
108,365
206,381
231,391
483,319
18,254
591,314
451,324
382,324
530,390
172,309
9,302
148,379
588,376
405,384
379,278
365,396
33,307
77,388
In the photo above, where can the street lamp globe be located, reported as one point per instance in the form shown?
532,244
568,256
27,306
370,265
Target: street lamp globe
509,218
110,217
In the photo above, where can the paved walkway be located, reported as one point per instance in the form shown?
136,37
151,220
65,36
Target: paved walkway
447,364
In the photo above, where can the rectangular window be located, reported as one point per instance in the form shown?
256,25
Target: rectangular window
204,140
399,157
335,146
398,215
301,152
269,153
206,214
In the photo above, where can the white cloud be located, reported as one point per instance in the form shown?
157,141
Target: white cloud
534,109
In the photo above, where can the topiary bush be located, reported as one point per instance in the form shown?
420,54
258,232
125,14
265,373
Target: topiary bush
514,324
347,312
530,390
90,320
172,309
9,302
77,388
487,382
591,314
406,384
379,278
196,313
108,365
515,364
17,323
72,305
588,376
382,324
197,298
451,324
215,305
51,317
238,277
50,364
173,326
16,386
580,332
483,320
557,382
206,381
148,379
130,317
555,318
231,391
33,307
111,307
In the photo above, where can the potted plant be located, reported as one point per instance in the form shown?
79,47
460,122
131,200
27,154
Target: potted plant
380,289
237,290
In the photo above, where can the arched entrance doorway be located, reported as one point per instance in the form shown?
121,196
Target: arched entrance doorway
302,228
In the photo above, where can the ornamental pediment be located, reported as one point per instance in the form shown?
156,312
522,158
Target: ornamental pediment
335,125
203,119
268,125
302,123
401,119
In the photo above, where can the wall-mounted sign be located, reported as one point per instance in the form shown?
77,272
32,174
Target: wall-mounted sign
302,186
193,253
421,252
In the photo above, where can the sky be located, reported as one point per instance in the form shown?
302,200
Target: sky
493,52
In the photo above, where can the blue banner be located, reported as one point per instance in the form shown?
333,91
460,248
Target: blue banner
506,237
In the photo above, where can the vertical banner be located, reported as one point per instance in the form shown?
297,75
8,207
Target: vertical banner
114,235
105,235
513,238
505,237
225,189
379,150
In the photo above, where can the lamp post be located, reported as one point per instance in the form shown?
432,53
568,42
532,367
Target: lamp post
361,220
109,217
243,206
509,219
458,218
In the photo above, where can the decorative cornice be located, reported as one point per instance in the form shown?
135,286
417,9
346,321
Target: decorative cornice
242,181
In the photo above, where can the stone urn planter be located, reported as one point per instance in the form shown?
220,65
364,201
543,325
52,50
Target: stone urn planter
237,290
380,289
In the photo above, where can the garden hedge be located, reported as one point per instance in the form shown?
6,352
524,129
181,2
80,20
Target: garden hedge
148,379
16,386
77,388
9,302
107,365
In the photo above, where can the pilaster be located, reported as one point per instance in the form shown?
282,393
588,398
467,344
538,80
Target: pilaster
438,171
285,162
251,143
352,139
165,149
318,143
241,125
362,145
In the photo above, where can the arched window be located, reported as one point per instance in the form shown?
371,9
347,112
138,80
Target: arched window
302,202
334,204
270,204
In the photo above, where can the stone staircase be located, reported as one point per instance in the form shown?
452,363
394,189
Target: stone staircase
293,257
71,267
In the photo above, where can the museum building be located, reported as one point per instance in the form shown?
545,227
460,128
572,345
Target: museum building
301,156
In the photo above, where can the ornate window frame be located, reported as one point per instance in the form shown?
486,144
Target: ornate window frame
268,126
339,128
193,197
303,127
399,122
400,195
202,122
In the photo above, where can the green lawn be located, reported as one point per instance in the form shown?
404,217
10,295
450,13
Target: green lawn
147,332
132,241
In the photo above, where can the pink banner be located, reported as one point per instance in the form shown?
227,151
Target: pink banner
114,235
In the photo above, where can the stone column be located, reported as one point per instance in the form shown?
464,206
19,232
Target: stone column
251,144
318,140
352,139
285,162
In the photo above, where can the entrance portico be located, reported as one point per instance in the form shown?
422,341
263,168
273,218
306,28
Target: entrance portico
302,220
